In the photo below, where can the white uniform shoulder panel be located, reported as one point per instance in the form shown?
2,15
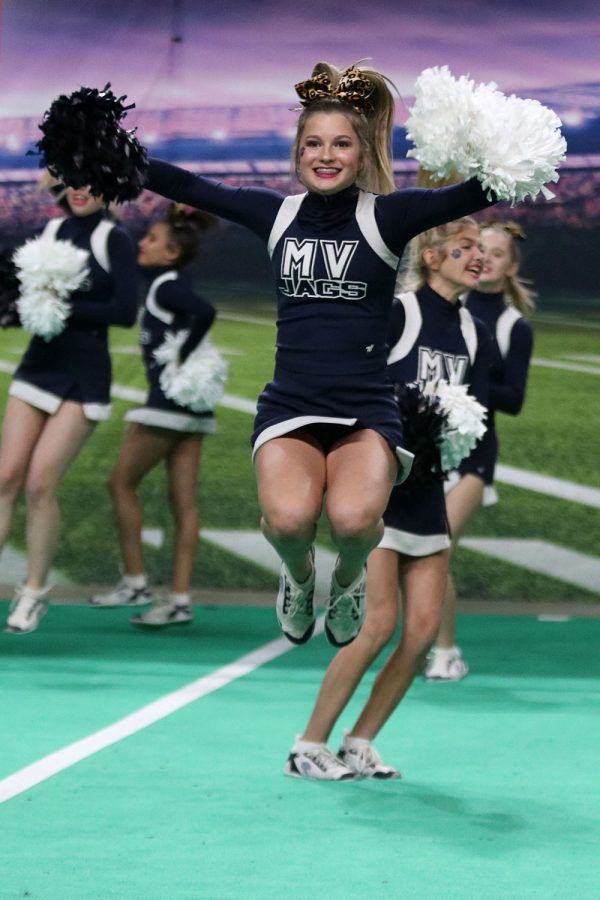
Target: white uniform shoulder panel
412,327
469,332
365,216
504,326
284,218
98,239
99,243
51,228
152,305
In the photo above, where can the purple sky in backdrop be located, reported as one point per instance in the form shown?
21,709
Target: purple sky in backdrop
252,51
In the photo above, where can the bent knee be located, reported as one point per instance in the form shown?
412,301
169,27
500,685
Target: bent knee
12,480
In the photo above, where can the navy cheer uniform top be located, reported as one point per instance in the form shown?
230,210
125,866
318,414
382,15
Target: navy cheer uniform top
171,305
75,364
334,260
430,339
512,343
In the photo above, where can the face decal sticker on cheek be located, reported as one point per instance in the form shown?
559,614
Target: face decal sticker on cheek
456,253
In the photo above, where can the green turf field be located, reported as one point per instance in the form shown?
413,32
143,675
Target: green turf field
556,435
498,798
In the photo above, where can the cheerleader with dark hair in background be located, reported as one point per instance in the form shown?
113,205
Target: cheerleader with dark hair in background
164,429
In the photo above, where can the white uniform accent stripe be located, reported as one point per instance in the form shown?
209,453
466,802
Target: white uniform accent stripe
99,243
51,228
412,327
504,327
284,218
469,332
174,421
35,396
412,544
365,216
98,239
151,303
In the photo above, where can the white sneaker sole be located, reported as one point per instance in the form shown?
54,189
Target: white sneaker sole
11,629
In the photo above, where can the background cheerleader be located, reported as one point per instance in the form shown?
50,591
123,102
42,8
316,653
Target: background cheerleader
163,430
431,338
500,300
62,386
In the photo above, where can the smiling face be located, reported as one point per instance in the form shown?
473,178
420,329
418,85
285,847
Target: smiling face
330,154
456,265
82,203
155,248
499,263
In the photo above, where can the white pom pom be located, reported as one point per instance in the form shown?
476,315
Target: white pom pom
512,146
42,313
465,423
198,383
49,271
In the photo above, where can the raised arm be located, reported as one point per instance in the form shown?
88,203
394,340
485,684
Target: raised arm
404,214
256,208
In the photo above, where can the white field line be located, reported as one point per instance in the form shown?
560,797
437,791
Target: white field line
550,487
247,320
567,367
572,323
68,756
524,478
542,557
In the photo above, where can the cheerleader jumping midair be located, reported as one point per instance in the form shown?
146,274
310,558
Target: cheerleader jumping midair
327,430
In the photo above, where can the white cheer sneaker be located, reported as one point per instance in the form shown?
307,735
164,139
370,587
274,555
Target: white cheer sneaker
26,610
316,761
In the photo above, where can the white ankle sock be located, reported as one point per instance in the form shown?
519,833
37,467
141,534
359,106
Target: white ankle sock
301,745
179,599
135,581
351,741
444,653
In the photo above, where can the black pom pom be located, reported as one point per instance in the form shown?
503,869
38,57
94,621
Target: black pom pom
9,291
423,424
85,144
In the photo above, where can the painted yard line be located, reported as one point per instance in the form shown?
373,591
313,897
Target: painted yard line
551,487
68,756
248,320
549,319
568,367
13,568
252,545
131,350
583,357
538,556
542,557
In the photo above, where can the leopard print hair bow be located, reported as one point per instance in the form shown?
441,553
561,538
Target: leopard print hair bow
353,88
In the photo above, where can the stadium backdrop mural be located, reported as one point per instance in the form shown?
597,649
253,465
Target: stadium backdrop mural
212,84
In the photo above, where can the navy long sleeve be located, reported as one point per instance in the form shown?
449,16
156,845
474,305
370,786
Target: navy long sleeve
177,297
511,351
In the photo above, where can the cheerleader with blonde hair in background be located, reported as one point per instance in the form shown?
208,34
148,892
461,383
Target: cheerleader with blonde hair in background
502,301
